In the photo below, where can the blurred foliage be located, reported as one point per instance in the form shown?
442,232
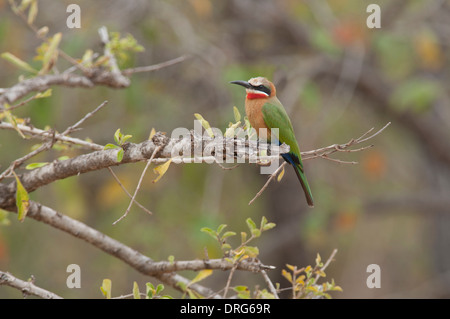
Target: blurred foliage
390,209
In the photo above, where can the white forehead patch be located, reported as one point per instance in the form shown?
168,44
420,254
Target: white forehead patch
256,81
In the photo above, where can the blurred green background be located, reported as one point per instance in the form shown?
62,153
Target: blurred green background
336,77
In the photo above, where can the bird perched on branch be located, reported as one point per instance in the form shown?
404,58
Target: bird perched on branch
265,111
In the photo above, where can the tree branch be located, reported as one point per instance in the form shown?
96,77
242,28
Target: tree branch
27,287
162,270
47,135
170,148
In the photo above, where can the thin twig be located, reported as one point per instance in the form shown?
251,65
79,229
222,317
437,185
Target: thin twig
44,38
360,140
126,192
227,168
72,128
45,135
268,181
330,259
270,284
47,145
21,160
227,286
139,185
12,107
326,151
154,67
337,160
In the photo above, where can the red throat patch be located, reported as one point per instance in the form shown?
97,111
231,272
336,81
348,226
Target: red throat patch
252,96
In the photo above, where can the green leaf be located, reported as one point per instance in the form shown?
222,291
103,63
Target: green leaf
243,237
121,46
242,291
318,259
120,155
205,124
32,13
24,4
86,60
230,131
51,55
150,290
209,231
63,158
110,146
12,119
269,226
117,136
182,285
191,293
237,114
18,62
251,224
35,165
106,288
125,138
256,232
226,246
263,222
159,289
136,293
228,234
251,251
22,199
240,288
220,228
171,259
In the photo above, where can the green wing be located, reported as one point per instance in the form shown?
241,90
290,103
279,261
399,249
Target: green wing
275,116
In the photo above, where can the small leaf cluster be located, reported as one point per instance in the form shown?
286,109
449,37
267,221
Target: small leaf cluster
243,250
48,51
304,281
233,129
151,292
120,47
120,139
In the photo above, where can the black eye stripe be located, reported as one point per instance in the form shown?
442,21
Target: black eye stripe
262,88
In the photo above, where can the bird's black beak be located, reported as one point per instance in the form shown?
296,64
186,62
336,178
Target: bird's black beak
242,83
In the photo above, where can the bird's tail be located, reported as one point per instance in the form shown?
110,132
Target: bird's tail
304,182
295,161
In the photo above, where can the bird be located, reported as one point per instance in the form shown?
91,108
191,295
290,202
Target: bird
264,110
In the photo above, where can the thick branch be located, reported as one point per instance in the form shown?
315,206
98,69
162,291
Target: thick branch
163,270
27,287
92,77
203,149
